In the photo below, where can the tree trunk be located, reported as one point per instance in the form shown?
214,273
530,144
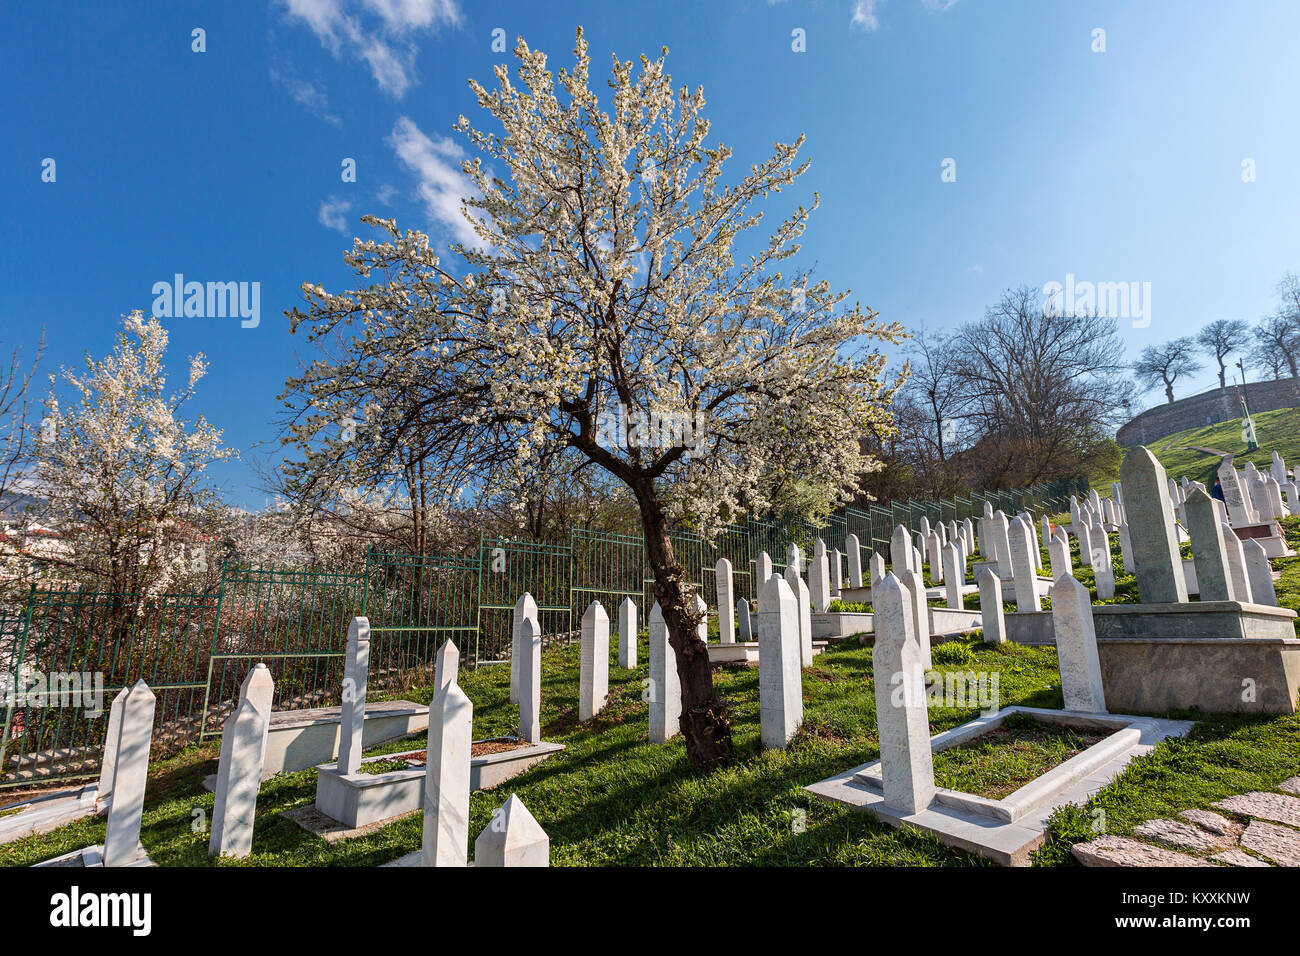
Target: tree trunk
705,722
1223,376
1169,391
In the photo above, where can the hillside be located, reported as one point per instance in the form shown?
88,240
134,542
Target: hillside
1277,430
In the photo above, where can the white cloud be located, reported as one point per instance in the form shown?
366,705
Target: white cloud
333,214
385,194
304,93
436,162
865,15
380,32
415,14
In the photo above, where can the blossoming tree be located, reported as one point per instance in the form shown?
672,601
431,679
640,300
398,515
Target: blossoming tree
120,469
619,306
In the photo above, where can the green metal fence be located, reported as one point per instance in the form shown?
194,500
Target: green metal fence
195,650
293,616
82,641
507,568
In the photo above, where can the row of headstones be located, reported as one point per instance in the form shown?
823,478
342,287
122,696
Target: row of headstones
1250,496
785,647
1011,549
1091,521
1229,568
1236,570
1226,567
513,838
125,768
929,547
783,620
900,661
1012,546
785,640
593,668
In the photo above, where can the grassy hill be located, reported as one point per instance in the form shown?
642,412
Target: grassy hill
1277,430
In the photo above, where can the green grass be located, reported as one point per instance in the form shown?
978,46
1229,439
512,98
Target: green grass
611,798
1000,762
1287,586
848,607
1222,756
1276,431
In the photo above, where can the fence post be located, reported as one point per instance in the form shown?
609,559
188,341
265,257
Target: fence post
216,632
478,608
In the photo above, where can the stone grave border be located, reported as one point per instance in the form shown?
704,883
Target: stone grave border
1006,831
357,800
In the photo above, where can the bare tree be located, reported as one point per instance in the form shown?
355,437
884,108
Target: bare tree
1221,338
1269,354
1164,364
1038,389
936,388
1278,340
1288,291
928,413
15,406
1277,336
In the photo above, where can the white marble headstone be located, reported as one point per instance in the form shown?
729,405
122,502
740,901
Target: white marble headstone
352,716
780,692
1076,646
512,838
593,676
906,761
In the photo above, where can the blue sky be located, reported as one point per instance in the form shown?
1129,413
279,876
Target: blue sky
1123,165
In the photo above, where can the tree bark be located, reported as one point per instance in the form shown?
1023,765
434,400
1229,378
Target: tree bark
705,721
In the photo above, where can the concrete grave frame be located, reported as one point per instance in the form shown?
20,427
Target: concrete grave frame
835,626
93,856
746,652
1007,831
40,814
299,739
1269,535
357,800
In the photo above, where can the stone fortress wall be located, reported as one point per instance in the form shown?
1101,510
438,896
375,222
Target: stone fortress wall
1208,408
